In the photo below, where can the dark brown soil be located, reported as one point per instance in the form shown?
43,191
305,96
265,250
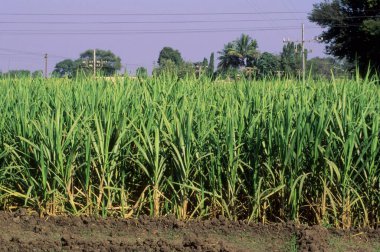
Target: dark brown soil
23,232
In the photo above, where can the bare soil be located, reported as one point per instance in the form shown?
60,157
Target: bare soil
21,231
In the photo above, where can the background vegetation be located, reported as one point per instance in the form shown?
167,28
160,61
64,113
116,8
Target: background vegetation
352,31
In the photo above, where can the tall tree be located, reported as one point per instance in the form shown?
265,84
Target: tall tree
65,68
108,62
168,53
171,61
226,60
246,50
352,30
291,59
268,64
165,67
242,52
326,67
141,72
204,64
186,69
210,69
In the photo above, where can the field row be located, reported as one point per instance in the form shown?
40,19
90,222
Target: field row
268,150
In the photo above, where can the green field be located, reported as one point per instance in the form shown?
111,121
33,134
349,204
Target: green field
266,150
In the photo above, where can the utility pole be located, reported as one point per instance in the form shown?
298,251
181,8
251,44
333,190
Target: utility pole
94,63
303,41
303,53
46,62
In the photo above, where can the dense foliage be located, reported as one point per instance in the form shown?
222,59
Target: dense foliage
352,30
168,53
241,52
327,67
107,64
171,61
66,68
268,65
257,150
291,59
141,72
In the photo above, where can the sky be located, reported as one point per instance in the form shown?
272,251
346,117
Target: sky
136,30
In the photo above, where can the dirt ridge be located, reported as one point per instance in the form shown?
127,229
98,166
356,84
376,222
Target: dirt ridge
29,232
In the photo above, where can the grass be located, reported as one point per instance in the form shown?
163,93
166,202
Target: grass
268,150
341,244
293,247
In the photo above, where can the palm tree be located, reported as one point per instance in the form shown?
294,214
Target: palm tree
226,60
240,53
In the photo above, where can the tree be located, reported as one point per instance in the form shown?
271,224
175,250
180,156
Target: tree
291,59
171,61
168,53
210,69
352,30
200,67
166,66
242,52
17,73
108,64
141,72
186,69
246,50
65,68
108,61
268,64
226,60
325,67
38,74
204,64
169,67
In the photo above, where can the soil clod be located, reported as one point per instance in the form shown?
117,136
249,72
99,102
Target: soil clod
31,233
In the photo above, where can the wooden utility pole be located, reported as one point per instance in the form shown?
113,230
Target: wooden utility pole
94,63
303,41
303,54
46,62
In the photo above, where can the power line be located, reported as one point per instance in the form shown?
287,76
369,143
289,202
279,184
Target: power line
180,21
150,30
257,7
22,52
134,31
19,55
123,32
153,14
150,22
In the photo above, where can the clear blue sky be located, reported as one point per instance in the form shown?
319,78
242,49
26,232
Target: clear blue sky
137,39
